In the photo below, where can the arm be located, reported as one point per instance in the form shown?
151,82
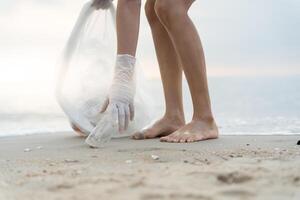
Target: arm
120,100
128,21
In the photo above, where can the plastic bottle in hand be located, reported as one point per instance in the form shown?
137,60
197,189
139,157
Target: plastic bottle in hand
103,132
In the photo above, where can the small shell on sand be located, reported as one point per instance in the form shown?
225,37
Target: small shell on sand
128,161
71,161
27,150
155,157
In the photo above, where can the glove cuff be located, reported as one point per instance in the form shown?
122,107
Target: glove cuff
124,69
125,60
123,85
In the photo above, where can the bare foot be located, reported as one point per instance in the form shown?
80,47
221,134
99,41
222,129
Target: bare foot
77,130
162,127
196,130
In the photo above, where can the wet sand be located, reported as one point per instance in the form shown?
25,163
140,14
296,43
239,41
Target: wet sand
61,167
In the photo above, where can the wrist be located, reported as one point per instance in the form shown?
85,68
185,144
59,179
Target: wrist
125,60
124,69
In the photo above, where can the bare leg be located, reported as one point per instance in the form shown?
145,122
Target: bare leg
171,74
128,21
173,14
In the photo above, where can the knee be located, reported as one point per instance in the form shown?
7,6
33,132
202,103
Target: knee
150,12
168,12
131,2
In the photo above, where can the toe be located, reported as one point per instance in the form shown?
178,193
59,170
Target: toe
180,137
187,138
164,139
190,140
182,140
167,139
175,138
146,134
138,136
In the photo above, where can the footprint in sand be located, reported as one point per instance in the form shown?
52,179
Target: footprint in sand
175,196
144,149
61,186
188,196
233,178
237,193
150,196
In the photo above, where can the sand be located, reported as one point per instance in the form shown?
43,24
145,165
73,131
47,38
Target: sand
60,166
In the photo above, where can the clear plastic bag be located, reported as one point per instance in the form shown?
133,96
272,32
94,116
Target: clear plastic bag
85,75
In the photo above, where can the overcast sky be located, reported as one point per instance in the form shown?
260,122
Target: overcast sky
240,37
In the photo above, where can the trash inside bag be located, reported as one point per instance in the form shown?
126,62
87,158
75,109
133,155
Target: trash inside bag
85,75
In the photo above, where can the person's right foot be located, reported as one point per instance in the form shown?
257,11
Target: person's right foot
162,127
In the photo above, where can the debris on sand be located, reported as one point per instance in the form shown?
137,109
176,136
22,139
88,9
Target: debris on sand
233,178
128,161
298,143
61,186
39,147
296,179
27,150
155,157
71,161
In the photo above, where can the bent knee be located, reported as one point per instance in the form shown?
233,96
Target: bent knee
133,1
130,2
169,11
150,12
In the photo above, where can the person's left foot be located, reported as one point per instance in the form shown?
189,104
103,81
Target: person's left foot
197,130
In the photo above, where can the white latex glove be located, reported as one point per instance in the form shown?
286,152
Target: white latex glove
120,102
102,4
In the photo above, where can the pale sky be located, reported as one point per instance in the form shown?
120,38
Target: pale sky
240,37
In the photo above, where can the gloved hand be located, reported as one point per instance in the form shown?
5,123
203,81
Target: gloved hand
102,4
120,102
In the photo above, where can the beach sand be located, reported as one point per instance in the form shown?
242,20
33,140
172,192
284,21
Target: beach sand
61,167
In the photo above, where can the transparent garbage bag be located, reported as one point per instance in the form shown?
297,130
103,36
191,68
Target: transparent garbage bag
86,70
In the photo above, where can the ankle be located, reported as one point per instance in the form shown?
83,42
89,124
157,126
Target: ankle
176,117
204,118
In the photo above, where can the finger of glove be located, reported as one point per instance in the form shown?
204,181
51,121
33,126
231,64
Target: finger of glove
131,110
127,116
104,106
121,117
113,110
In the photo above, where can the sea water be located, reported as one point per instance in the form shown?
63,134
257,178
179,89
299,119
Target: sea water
241,105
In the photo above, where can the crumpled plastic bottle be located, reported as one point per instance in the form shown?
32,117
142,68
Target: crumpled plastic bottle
102,133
